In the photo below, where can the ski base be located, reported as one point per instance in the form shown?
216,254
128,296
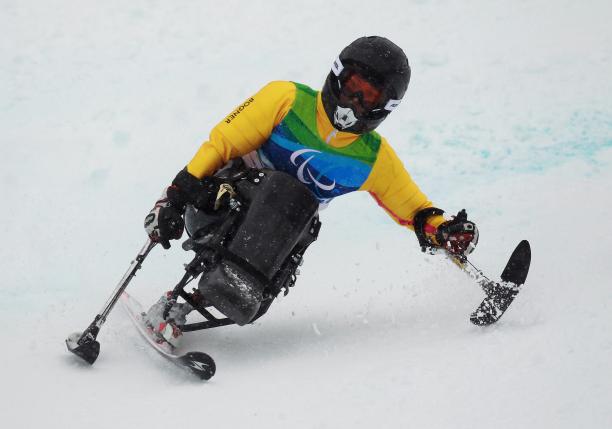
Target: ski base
499,296
198,363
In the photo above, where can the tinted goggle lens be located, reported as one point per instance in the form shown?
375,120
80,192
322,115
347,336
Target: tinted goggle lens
357,86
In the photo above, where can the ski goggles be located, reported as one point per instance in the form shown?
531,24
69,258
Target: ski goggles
356,86
352,83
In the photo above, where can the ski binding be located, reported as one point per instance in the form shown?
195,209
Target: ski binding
198,363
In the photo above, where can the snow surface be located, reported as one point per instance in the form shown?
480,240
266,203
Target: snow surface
508,115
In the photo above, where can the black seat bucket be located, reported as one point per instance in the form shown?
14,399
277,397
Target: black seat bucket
276,224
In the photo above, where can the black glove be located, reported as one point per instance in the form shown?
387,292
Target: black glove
188,189
164,222
458,236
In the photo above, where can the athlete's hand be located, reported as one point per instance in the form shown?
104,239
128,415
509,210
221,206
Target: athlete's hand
164,222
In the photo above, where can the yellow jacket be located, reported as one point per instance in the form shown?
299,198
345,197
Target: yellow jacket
250,125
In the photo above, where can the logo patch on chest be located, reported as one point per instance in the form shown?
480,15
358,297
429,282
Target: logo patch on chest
304,171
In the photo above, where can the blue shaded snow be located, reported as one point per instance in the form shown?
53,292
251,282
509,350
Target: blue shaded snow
537,145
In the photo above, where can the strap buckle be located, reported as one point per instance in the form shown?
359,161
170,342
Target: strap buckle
225,188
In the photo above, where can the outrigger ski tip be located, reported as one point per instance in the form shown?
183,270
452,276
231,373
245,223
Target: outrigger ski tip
84,346
499,296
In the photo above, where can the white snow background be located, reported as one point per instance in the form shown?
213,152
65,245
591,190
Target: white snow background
508,115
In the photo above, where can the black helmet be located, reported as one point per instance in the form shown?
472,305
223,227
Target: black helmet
366,82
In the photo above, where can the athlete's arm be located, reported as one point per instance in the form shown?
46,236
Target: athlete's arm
245,129
395,191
